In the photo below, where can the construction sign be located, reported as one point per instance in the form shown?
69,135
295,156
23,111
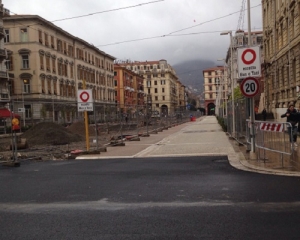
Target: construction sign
249,64
15,124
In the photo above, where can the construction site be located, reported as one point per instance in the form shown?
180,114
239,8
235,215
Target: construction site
51,141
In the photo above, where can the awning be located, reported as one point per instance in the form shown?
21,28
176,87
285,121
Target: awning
5,113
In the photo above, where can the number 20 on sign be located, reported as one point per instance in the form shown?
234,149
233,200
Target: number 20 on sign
249,87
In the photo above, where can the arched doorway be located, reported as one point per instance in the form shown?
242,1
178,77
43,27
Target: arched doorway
164,110
211,109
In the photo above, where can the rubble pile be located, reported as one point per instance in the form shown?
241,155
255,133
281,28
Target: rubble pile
79,128
50,133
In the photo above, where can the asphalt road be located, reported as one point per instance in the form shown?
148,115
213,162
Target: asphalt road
146,198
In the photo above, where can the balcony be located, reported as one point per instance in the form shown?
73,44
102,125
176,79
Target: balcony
4,97
3,54
6,12
3,75
2,32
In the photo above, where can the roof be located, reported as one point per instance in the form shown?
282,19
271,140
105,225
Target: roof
5,113
23,17
213,69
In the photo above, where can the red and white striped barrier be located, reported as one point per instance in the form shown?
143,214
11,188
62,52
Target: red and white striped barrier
272,127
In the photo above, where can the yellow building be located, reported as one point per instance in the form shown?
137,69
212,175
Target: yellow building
281,25
161,84
49,65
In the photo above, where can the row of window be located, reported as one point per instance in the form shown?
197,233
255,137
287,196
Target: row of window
62,47
68,90
162,98
162,82
145,67
156,90
210,73
62,67
243,40
156,75
24,62
284,77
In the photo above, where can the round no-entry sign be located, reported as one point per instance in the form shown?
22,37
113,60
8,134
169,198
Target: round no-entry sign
249,87
84,96
248,52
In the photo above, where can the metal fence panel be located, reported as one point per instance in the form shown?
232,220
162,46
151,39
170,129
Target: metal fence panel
108,124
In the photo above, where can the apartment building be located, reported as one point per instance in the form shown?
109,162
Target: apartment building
182,96
215,88
281,25
48,65
161,85
4,90
129,91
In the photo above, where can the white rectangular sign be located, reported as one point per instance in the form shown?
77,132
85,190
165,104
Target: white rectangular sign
21,110
249,64
82,107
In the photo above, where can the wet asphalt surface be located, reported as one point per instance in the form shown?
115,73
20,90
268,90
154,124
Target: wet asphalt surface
146,198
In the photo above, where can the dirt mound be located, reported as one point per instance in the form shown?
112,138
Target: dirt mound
50,133
79,128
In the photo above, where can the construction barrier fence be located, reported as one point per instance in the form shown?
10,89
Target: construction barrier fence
106,123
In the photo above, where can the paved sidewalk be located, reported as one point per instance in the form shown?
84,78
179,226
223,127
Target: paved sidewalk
204,137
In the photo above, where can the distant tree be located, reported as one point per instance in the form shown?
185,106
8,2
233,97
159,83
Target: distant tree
237,93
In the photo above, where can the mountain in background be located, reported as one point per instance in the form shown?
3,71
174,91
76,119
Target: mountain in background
190,73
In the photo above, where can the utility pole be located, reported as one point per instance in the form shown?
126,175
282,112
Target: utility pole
232,82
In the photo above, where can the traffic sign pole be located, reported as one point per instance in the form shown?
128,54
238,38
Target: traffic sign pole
86,123
252,113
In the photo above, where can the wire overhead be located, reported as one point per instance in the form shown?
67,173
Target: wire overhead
106,11
171,34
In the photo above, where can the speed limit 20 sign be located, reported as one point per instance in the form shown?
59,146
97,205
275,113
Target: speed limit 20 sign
249,87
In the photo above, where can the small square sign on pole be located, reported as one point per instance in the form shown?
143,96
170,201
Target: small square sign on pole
85,100
249,63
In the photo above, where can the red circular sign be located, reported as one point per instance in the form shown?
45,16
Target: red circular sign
249,87
251,51
84,96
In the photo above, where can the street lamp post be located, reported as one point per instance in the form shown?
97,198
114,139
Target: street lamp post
225,88
231,80
218,95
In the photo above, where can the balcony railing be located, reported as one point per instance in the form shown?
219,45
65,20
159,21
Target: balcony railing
1,32
3,74
3,53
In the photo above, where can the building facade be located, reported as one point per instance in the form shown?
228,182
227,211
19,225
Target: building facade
161,85
129,91
215,89
281,24
49,65
4,89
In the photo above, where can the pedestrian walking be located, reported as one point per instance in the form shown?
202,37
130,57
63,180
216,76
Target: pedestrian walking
292,116
264,114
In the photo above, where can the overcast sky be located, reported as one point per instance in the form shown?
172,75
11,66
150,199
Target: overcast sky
191,27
